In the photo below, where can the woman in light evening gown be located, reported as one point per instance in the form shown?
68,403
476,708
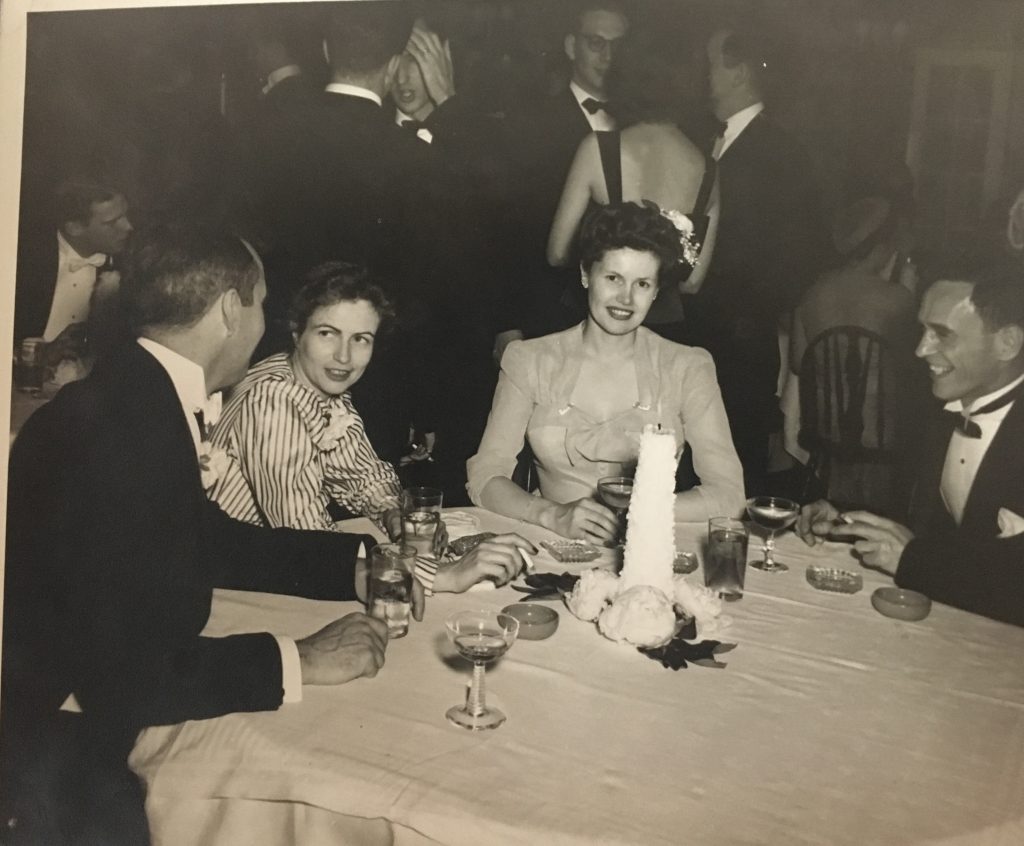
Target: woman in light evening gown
581,397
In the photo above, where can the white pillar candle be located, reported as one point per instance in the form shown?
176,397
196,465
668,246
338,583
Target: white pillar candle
650,535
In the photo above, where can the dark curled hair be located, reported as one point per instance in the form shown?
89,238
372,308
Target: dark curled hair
335,282
636,226
176,273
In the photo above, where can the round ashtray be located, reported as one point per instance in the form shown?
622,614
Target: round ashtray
901,604
832,579
536,622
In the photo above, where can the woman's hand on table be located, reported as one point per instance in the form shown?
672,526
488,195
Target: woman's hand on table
497,559
347,649
584,519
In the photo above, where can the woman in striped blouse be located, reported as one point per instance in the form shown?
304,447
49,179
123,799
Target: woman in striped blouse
296,442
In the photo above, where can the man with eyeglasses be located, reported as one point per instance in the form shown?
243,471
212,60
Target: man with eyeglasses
544,138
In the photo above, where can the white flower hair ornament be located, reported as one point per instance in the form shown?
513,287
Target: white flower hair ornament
687,238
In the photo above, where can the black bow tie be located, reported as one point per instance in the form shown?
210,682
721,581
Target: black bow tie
966,426
412,126
592,106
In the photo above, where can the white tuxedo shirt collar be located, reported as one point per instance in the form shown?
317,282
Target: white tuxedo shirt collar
282,73
353,91
735,124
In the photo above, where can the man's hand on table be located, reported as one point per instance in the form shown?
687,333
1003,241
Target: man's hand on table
584,519
347,649
880,541
816,522
497,559
877,540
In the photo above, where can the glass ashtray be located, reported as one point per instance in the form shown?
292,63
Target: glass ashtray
831,579
685,562
566,551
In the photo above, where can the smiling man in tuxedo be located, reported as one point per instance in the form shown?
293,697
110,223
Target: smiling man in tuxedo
113,551
966,547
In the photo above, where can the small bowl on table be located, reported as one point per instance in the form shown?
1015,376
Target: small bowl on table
901,604
536,621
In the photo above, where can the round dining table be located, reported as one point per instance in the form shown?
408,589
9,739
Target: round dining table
829,724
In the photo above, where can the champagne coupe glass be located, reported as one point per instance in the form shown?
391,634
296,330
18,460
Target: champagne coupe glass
615,492
480,636
773,514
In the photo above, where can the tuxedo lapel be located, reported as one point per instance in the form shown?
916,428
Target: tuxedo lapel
927,510
998,480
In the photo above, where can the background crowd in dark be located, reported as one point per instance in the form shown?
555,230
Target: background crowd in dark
161,103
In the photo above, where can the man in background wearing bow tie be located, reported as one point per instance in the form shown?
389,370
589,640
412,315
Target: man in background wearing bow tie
60,280
967,544
543,139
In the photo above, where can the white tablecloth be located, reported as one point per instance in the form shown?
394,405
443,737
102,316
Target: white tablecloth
830,725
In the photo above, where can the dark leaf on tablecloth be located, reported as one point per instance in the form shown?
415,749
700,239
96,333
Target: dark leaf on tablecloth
563,582
530,595
678,651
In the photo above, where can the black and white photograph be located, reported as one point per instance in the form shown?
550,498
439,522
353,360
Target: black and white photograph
513,422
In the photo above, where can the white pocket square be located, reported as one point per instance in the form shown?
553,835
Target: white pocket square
1010,524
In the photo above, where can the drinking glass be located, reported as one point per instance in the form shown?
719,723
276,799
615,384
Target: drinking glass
725,562
390,594
480,636
615,492
773,514
421,521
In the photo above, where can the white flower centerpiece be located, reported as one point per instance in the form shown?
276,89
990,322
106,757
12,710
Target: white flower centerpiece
639,605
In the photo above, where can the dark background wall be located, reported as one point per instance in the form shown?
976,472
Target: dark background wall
149,95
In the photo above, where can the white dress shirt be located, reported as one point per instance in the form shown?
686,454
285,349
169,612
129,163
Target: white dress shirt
190,385
353,91
734,125
964,455
76,277
600,121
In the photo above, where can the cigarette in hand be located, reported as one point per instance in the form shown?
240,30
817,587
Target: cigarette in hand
527,560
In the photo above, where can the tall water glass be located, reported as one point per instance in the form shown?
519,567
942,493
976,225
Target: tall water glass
725,562
390,594
421,521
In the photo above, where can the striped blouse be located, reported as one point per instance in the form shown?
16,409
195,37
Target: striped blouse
292,451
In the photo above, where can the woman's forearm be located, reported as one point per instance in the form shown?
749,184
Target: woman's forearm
503,496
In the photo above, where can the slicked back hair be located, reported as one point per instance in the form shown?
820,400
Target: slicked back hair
176,273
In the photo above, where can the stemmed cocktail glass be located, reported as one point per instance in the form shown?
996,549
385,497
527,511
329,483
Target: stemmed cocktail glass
481,637
773,514
615,492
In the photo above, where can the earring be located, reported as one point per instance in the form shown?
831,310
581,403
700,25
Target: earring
583,281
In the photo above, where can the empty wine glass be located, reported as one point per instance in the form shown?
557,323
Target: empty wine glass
773,514
480,636
615,492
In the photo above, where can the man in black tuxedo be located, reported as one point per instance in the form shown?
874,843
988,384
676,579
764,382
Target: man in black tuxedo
966,547
113,551
544,137
769,248
65,262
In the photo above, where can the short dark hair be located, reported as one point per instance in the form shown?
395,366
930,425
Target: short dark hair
635,226
582,7
643,85
743,46
335,282
998,295
74,198
362,37
175,274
